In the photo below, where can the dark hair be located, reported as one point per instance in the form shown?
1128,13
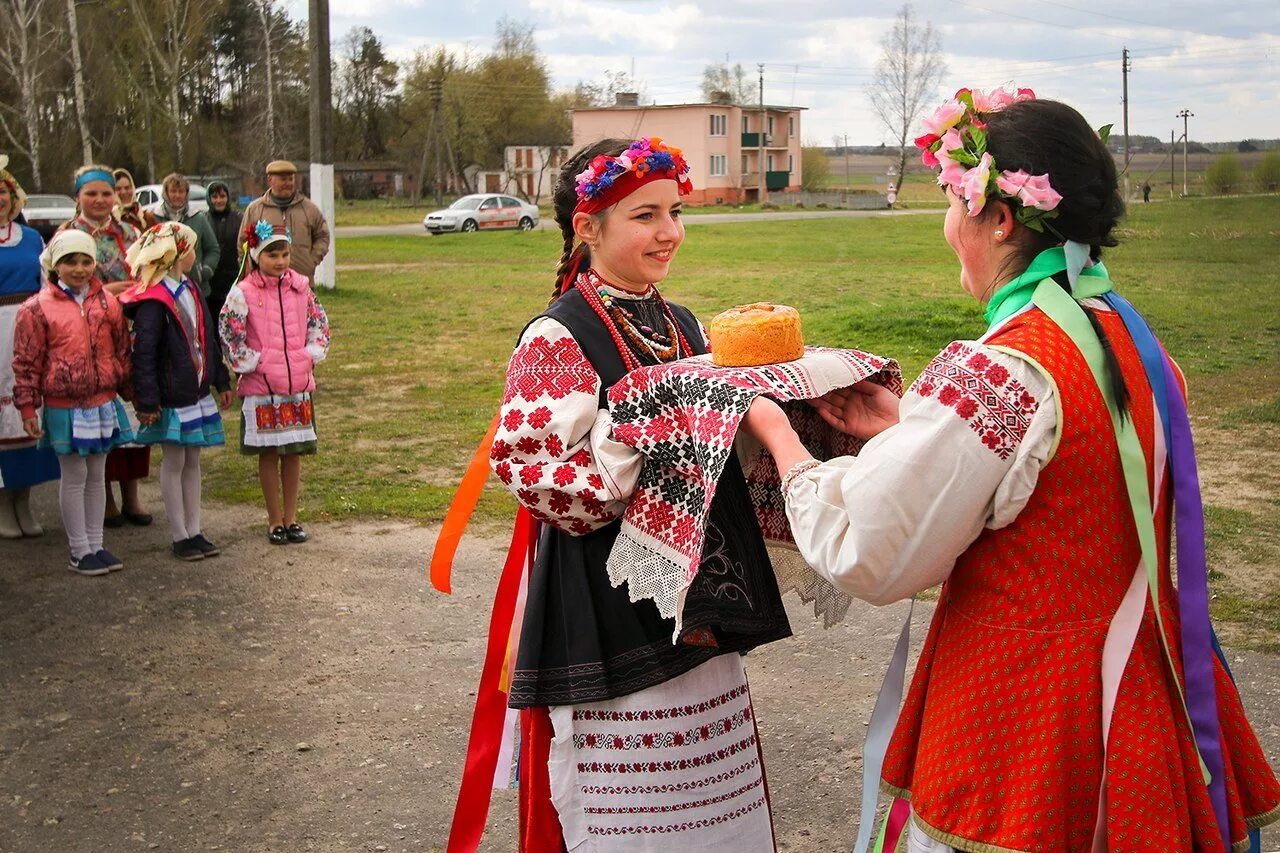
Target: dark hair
1049,137
565,198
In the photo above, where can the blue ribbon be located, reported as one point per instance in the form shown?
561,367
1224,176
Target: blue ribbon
91,176
1197,638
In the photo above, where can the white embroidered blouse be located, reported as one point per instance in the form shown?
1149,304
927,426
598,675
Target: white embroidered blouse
554,448
975,430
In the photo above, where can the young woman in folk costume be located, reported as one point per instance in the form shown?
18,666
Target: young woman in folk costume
629,742
1066,698
95,194
22,463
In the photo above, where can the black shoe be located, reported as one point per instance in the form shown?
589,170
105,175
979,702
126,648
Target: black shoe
278,535
296,534
139,519
88,565
113,521
187,549
206,547
111,561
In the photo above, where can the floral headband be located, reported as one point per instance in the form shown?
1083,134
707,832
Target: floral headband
262,233
608,180
955,139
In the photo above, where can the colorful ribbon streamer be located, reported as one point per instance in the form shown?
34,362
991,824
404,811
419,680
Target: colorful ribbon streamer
455,520
485,743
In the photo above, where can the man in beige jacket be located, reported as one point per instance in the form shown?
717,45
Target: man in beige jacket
282,204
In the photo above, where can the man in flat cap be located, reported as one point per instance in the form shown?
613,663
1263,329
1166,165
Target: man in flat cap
282,204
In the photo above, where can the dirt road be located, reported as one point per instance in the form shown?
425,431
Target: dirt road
317,697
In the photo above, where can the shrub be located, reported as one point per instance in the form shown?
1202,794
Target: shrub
1266,175
1225,175
814,168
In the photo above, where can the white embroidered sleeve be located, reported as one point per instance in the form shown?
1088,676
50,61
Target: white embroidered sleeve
554,448
233,328
976,428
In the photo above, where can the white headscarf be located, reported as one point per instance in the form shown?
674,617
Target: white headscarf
158,249
69,242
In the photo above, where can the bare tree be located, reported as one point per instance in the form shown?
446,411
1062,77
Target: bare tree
173,34
719,77
266,14
28,47
77,73
906,78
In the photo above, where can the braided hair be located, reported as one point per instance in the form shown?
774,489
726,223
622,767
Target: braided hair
1050,137
565,198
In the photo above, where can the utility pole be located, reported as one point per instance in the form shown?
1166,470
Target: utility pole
760,196
846,161
1124,67
1172,178
436,88
1184,115
322,130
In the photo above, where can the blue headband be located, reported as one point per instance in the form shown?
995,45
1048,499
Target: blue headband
91,176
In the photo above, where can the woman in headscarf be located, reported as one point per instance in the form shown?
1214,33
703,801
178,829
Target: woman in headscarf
127,208
225,220
177,208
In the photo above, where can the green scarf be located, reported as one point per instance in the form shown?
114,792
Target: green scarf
1011,298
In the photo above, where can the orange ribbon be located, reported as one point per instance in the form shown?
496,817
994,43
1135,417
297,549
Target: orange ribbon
459,514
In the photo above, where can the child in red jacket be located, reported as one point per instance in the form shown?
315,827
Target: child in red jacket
71,355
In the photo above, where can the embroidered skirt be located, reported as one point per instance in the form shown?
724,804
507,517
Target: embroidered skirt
86,431
22,464
191,426
673,767
275,424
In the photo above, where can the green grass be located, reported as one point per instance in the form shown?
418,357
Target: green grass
422,329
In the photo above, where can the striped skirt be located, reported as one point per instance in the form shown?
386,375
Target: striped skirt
199,425
86,431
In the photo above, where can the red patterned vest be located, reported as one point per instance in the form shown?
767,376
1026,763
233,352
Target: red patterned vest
999,744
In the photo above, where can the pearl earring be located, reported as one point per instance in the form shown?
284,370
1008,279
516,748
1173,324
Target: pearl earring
999,233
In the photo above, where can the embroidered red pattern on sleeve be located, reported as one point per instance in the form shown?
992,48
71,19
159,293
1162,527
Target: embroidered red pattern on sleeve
982,393
552,392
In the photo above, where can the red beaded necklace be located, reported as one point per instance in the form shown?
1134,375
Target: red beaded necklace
586,285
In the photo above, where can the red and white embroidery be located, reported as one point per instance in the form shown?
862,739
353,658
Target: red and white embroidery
997,407
541,451
550,368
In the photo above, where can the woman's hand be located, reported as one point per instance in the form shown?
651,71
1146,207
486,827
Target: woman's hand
224,399
32,427
766,421
863,410
148,418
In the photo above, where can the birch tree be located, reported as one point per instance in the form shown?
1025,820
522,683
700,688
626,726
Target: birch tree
77,74
29,48
906,78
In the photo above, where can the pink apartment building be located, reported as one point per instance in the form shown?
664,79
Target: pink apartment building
720,140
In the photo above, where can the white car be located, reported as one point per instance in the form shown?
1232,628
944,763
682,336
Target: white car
483,211
151,195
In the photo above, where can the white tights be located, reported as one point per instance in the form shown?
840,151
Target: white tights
180,488
82,497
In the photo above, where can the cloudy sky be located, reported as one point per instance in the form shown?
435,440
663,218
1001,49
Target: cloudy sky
1219,59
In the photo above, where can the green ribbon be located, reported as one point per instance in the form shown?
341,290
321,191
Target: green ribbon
1015,295
1066,312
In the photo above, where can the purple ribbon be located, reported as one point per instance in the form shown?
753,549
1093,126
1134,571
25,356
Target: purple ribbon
1197,639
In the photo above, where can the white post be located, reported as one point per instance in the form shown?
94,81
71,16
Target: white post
322,195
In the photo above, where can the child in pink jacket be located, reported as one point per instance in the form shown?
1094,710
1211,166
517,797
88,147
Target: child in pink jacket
71,357
273,332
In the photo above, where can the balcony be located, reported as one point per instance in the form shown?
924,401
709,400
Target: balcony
771,140
772,180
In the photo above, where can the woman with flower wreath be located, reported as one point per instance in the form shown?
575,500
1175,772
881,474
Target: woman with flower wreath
1066,697
629,742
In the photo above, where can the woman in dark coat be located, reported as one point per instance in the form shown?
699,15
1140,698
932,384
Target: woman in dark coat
226,227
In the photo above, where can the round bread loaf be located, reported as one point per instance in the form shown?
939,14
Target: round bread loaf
756,334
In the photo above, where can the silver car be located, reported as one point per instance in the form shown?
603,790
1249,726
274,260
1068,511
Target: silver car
46,213
483,212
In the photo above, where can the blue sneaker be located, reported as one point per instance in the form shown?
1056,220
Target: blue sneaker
89,565
111,561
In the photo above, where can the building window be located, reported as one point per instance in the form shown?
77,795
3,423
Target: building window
719,165
791,125
744,123
791,163
719,124
770,162
770,130
744,164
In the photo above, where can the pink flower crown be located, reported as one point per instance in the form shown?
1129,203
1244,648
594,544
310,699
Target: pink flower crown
955,139
646,158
